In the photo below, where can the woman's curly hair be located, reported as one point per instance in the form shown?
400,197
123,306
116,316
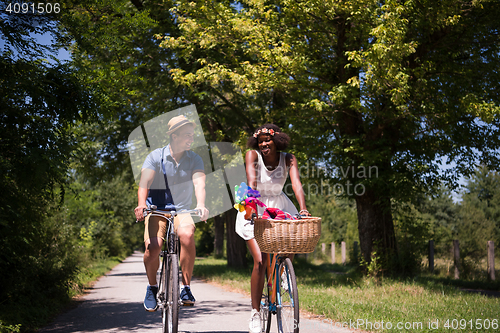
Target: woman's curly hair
280,139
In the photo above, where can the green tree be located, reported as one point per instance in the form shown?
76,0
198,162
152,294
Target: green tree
441,215
479,213
102,215
40,102
395,85
116,50
339,220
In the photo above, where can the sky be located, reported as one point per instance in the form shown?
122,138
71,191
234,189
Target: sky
45,39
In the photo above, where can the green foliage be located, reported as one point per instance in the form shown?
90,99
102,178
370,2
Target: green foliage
39,256
442,216
204,238
114,50
339,222
339,219
395,85
40,219
472,221
412,234
480,213
102,214
339,67
373,268
39,259
9,328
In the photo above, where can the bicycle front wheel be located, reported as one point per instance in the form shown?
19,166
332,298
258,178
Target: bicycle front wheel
170,312
288,299
265,314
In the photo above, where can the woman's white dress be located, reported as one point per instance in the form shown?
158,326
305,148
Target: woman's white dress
270,185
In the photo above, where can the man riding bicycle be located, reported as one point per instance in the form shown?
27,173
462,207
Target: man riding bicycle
167,178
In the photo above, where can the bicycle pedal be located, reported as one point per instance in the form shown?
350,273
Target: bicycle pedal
187,304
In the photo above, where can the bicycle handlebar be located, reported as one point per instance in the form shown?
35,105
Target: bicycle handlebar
172,213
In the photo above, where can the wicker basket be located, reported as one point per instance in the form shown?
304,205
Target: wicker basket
288,236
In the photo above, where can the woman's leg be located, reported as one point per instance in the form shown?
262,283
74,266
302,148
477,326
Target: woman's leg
258,273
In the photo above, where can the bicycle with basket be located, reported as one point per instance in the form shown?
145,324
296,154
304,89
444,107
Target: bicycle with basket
279,239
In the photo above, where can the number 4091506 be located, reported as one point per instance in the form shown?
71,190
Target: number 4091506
27,7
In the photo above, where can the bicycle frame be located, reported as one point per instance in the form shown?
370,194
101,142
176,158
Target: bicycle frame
168,287
170,242
272,268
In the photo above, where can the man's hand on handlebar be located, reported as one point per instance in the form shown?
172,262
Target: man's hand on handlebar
139,212
203,212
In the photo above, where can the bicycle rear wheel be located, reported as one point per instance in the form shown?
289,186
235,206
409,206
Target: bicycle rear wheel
288,299
265,315
170,311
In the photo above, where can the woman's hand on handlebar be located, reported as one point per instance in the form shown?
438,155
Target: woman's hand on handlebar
203,212
304,212
139,212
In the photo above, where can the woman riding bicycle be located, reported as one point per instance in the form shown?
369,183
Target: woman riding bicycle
267,168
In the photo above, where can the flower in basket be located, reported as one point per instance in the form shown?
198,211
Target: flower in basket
246,199
251,206
239,195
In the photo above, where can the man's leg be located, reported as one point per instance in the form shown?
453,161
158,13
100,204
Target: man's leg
188,252
184,225
151,258
153,240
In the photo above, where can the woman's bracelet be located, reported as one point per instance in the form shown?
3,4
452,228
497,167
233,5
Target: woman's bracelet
303,211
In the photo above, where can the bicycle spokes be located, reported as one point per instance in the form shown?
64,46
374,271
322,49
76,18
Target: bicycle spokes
288,305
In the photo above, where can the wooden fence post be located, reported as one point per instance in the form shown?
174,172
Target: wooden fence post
323,248
343,250
456,258
332,250
431,256
491,260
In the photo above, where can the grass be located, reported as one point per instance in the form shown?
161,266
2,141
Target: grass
341,296
471,269
89,274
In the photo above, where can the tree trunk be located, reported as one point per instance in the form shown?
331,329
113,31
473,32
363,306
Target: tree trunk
376,228
235,247
219,236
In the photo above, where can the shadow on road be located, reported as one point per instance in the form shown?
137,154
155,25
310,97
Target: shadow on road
210,307
114,304
141,274
105,316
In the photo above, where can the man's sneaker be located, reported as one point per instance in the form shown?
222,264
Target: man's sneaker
150,299
186,297
254,325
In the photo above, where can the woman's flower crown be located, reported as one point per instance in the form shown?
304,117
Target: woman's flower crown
265,131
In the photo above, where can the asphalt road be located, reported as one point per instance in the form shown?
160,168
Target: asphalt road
114,304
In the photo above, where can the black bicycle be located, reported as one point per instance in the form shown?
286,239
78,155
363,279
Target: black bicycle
168,298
